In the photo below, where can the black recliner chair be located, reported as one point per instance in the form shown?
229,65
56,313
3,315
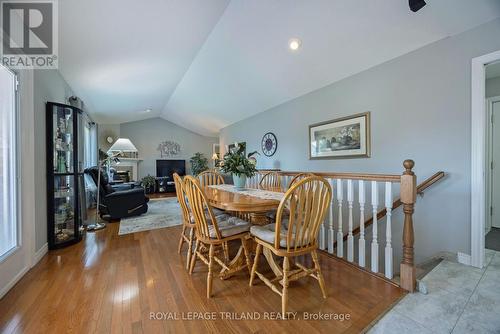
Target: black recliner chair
120,201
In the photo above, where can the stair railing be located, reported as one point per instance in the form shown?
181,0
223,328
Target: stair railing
360,194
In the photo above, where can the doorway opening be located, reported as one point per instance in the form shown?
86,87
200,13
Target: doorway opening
480,209
492,216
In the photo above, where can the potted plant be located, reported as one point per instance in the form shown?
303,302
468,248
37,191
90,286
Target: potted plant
149,184
198,163
239,165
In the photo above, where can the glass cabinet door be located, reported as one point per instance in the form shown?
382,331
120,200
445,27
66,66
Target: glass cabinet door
62,185
62,122
64,208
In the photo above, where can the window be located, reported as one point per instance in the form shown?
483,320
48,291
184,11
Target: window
8,162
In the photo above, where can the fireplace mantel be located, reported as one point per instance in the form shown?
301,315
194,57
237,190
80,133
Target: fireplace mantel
129,162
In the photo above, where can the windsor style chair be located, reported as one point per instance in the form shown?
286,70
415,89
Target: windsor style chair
294,234
187,223
270,181
212,231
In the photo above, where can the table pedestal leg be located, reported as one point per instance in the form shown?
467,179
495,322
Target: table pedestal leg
259,218
237,263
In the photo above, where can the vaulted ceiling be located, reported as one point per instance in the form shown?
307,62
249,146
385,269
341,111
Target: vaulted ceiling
205,64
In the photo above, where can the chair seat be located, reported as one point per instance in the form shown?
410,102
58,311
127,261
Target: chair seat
229,226
271,215
217,213
268,232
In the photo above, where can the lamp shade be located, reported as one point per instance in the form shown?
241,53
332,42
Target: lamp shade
122,145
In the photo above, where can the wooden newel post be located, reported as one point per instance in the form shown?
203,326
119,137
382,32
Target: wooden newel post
408,198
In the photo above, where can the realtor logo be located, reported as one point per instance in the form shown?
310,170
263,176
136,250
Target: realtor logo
29,34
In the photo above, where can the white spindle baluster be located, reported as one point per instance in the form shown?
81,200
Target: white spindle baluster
331,231
361,249
388,232
350,238
340,235
322,234
374,257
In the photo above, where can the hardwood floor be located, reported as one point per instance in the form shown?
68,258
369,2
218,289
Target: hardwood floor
112,284
161,195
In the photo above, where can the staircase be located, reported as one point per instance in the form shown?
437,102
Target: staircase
364,205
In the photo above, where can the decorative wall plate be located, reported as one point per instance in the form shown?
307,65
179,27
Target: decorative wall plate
269,144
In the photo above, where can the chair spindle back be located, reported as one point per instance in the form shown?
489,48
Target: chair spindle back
201,210
307,202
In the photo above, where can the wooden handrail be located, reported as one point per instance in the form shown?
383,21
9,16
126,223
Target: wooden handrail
396,178
397,203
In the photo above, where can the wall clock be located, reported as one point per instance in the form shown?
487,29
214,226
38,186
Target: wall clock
269,144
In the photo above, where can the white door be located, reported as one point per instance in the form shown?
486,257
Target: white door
15,247
495,172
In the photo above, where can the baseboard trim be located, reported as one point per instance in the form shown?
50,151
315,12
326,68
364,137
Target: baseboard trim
464,258
11,284
40,254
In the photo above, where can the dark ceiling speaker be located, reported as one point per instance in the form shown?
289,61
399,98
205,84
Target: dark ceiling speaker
416,5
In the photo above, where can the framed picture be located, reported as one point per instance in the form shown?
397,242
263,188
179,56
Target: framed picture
347,137
232,147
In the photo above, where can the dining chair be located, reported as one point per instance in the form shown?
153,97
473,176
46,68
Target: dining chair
270,181
187,222
210,178
294,234
212,231
213,178
271,215
299,177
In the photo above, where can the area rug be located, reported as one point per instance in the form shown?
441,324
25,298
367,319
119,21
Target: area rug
161,213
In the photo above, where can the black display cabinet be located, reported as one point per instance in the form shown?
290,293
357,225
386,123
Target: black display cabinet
65,183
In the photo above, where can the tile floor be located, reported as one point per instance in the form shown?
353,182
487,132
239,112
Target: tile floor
460,299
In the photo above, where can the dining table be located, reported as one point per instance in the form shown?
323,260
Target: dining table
252,203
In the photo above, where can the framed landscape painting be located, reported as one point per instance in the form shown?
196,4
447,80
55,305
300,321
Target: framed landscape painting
347,137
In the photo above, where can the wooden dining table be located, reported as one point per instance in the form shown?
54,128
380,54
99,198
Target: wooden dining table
251,206
241,203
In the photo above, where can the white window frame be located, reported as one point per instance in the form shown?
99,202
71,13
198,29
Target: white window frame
14,167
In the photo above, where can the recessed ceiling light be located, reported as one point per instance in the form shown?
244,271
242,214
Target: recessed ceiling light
294,44
148,110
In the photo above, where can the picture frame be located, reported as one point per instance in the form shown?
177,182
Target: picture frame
346,137
232,147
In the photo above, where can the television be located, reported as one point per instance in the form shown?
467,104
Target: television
166,168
